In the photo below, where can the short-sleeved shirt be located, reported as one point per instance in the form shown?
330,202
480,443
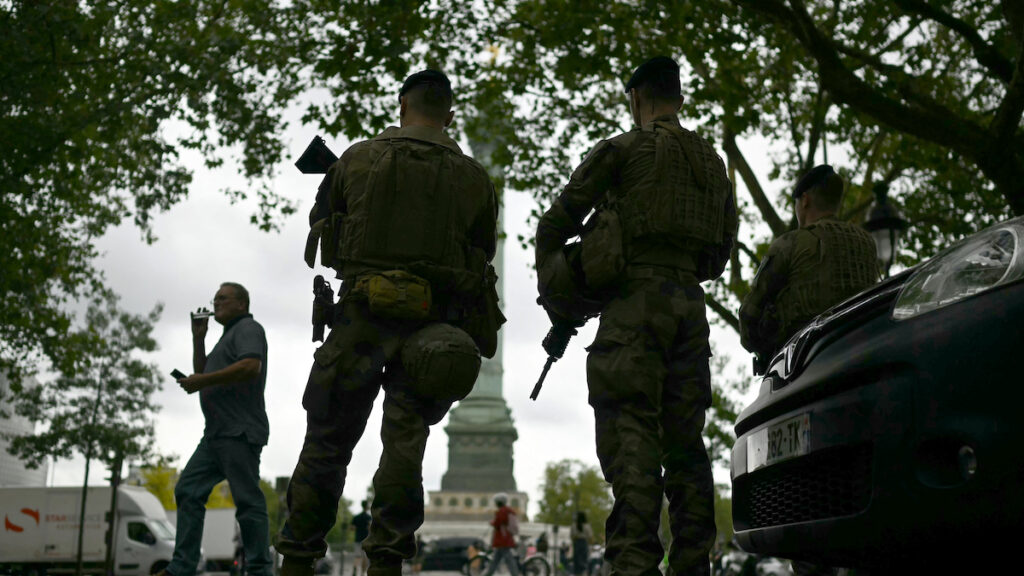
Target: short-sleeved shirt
361,522
238,408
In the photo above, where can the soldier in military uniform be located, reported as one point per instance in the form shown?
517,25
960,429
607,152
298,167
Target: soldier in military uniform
665,220
409,223
807,270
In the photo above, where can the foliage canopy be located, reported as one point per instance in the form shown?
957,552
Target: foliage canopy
570,486
924,97
99,101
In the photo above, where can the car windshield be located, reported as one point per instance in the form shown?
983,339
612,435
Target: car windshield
162,529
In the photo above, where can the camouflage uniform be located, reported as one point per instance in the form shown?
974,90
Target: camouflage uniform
647,369
362,353
805,272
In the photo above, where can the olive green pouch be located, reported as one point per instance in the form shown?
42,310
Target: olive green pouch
395,294
602,257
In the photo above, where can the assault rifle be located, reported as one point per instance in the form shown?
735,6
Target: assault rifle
317,158
555,343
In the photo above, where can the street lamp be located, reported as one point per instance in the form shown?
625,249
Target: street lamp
885,225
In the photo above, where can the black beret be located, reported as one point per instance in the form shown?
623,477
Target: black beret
651,69
427,76
814,178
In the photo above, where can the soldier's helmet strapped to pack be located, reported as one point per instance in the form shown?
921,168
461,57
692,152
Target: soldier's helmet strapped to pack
442,361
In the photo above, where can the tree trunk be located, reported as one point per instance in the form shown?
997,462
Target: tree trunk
81,514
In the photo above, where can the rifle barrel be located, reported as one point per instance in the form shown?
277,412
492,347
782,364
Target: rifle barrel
543,375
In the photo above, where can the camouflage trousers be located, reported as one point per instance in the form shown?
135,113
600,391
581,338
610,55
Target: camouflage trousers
360,356
649,382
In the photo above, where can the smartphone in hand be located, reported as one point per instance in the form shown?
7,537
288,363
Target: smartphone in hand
178,374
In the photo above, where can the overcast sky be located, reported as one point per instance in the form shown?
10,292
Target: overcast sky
205,240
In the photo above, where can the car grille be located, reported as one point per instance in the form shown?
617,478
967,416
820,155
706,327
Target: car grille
821,485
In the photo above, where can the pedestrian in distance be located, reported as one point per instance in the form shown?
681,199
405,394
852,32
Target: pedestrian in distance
505,526
581,535
361,526
409,224
230,382
664,221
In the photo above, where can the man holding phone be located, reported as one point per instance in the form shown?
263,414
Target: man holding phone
230,381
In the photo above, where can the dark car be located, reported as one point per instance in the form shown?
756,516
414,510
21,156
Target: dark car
889,429
448,554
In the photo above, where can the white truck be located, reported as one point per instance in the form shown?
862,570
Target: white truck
220,540
40,533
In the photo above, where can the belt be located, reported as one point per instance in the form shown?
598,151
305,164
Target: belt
641,271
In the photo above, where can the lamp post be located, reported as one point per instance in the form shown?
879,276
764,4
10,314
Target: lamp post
885,224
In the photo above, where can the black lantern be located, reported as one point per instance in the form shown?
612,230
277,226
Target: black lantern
885,224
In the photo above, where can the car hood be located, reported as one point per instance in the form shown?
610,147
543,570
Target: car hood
787,364
790,362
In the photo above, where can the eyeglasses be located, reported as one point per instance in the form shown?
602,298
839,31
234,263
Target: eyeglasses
221,298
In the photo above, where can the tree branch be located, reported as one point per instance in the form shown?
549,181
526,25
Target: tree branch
817,126
1008,115
947,130
753,186
986,54
722,312
750,253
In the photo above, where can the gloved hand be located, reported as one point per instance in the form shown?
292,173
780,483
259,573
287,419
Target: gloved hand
557,339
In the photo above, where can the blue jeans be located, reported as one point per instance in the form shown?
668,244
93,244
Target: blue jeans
216,459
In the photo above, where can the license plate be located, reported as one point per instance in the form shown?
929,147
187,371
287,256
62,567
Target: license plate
778,442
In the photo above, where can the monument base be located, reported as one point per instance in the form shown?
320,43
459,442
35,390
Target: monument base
462,506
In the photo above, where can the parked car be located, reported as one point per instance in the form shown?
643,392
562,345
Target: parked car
887,431
448,554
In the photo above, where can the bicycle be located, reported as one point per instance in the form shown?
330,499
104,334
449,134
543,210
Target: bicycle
535,565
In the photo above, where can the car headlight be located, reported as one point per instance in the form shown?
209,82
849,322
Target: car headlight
982,262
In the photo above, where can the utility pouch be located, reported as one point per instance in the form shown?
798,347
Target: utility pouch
601,256
330,241
313,240
395,294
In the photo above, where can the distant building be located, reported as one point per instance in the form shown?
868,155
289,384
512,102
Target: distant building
12,470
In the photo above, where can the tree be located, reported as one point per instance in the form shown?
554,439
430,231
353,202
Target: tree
160,481
101,404
100,101
718,427
723,513
570,486
950,73
341,533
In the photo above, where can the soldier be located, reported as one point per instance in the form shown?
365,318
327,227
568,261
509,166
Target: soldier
807,270
409,223
665,220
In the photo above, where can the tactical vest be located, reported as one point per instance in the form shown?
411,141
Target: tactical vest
846,264
673,189
404,213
